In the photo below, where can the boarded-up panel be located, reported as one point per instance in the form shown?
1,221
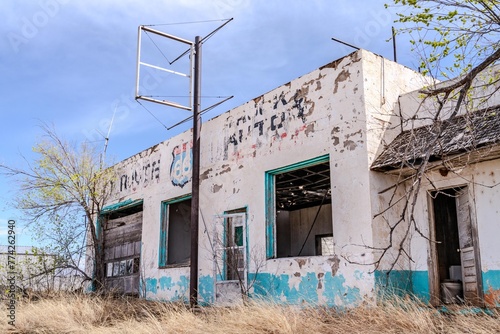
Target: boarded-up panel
122,230
122,251
124,285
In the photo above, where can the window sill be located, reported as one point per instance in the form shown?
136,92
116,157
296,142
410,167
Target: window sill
177,265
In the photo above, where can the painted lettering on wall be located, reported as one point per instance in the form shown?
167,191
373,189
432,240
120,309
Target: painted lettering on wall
140,173
180,170
264,126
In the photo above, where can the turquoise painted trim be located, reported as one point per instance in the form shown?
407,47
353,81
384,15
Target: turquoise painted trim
162,246
270,216
491,280
206,290
300,165
402,283
420,285
312,288
121,205
247,248
270,201
179,289
491,287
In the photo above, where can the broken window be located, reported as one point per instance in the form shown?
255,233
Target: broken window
324,245
299,212
175,234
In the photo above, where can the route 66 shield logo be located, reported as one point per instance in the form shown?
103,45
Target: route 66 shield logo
180,170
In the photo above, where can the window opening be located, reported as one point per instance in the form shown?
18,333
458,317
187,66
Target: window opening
175,234
299,208
324,245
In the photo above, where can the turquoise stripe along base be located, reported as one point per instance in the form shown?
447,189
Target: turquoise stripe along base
320,289
403,282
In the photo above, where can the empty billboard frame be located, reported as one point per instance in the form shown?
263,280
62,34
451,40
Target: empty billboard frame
141,64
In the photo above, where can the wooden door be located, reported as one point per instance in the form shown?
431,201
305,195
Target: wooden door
471,272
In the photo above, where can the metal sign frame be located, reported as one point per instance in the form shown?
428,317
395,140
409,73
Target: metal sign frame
141,63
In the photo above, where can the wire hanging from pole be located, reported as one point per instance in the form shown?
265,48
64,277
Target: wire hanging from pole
152,114
152,41
202,40
314,222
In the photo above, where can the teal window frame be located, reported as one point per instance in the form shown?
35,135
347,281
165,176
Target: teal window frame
270,198
164,223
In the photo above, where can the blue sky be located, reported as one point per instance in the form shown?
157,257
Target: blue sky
72,64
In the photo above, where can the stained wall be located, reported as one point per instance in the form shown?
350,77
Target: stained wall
340,110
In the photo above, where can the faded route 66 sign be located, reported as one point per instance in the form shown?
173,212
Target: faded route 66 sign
180,170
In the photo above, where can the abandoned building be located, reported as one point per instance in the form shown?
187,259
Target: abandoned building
294,199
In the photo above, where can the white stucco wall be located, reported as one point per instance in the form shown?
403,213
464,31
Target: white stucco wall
341,109
480,178
417,111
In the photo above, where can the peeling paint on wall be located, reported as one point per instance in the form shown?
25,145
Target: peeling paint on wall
343,76
334,263
178,290
295,122
216,188
350,145
206,290
290,110
335,138
311,288
491,286
205,174
142,172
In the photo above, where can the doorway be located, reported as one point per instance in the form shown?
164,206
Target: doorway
455,270
230,265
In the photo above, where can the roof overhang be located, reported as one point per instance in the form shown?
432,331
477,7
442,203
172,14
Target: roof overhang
470,138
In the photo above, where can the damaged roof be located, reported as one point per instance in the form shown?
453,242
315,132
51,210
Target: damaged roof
461,134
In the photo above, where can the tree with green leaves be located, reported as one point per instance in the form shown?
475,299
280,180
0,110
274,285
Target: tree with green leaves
457,41
453,38
60,195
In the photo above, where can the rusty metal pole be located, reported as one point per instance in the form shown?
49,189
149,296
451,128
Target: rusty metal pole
195,192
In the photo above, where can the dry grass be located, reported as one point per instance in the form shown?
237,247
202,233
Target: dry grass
93,314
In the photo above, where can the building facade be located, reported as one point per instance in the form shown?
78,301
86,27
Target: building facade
292,201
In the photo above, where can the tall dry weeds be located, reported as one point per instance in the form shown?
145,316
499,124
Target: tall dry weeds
106,314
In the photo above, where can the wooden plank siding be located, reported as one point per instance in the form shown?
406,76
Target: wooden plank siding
122,252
